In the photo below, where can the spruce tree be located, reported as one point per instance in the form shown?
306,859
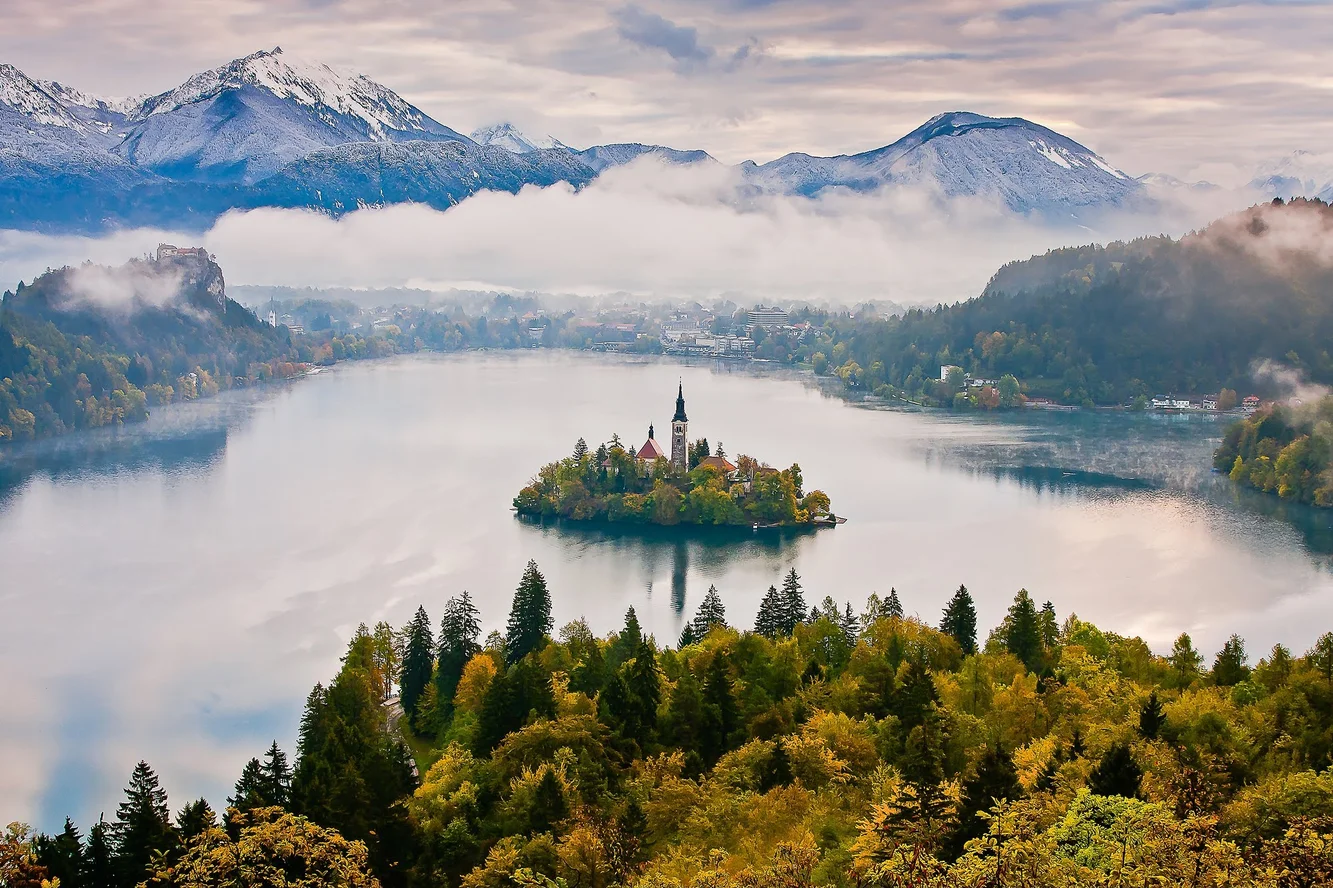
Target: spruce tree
711,613
1022,632
995,780
418,662
1050,627
529,616
917,699
1229,667
1117,773
62,855
548,803
770,621
627,642
142,828
793,602
98,863
580,449
893,608
643,681
249,792
687,636
1151,717
960,621
276,777
849,625
194,820
721,715
460,631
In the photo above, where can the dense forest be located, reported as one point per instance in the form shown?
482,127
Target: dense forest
615,485
822,747
1287,450
1107,324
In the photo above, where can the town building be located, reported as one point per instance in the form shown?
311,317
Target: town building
759,316
946,368
1250,404
171,251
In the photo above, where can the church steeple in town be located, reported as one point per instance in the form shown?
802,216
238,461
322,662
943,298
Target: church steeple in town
680,451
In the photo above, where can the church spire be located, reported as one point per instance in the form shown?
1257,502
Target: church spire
680,404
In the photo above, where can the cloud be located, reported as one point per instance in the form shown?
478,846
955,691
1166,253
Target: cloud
650,31
124,287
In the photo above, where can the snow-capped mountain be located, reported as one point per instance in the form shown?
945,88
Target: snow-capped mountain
1027,167
508,137
1299,174
249,118
25,96
103,116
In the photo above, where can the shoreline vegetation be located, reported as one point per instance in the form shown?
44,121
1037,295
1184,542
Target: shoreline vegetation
612,485
823,747
1285,450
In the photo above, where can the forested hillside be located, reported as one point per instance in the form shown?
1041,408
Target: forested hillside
1105,324
824,747
1281,449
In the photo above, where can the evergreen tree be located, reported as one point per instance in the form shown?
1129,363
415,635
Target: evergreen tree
580,449
711,613
793,602
460,629
99,869
276,777
643,682
548,804
1229,667
960,621
1050,627
530,615
995,780
1151,717
418,662
249,791
142,828
721,714
1117,773
850,625
627,642
893,608
1184,660
1022,632
687,636
777,770
770,621
194,820
62,855
917,699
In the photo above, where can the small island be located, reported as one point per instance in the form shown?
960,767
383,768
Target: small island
694,485
1283,449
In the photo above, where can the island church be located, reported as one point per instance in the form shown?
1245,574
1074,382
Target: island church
651,451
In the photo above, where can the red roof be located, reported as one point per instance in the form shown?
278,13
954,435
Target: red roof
718,462
651,451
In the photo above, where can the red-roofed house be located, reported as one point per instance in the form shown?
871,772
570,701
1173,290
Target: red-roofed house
721,463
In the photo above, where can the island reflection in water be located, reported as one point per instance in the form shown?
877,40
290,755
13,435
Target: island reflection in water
173,590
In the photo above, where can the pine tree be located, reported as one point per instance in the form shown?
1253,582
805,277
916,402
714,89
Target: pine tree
721,715
960,621
1151,717
687,636
793,602
460,630
418,662
99,866
61,855
850,626
917,699
529,616
770,621
1050,627
276,777
249,792
142,828
1184,660
643,681
893,608
995,780
194,820
548,803
711,613
1117,773
1022,632
1229,667
627,642
580,449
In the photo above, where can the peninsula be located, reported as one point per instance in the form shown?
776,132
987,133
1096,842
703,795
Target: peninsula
692,485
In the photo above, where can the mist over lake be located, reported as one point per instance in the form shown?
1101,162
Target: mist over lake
173,590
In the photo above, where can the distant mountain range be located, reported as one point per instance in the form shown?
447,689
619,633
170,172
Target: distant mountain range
270,130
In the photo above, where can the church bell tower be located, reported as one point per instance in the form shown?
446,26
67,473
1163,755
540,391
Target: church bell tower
679,426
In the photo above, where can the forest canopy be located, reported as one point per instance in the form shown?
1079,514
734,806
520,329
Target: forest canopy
1281,449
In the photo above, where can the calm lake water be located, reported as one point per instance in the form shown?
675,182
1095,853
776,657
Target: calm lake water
172,591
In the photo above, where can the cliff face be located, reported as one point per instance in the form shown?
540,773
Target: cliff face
201,281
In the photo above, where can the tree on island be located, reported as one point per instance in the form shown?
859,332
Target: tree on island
960,621
418,662
529,615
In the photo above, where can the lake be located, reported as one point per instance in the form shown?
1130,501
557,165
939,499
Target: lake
172,591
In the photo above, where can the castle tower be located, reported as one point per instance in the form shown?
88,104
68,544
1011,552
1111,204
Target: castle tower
679,426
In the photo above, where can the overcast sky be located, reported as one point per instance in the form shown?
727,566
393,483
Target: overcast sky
1196,88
